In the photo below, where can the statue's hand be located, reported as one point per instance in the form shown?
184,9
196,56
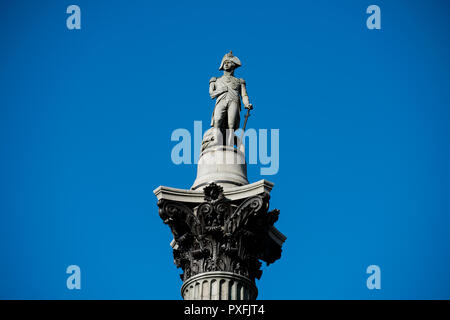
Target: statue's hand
249,106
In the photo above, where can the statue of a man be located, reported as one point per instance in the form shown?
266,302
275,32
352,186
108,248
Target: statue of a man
228,91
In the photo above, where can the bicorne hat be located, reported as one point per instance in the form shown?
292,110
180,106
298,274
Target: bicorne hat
229,56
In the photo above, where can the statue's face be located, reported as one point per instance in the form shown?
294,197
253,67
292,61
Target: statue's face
228,65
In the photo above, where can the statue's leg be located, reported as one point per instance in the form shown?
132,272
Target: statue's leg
220,119
233,121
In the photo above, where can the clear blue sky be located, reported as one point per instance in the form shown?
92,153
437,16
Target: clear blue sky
86,118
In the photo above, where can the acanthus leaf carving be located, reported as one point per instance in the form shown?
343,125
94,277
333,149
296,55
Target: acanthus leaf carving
221,235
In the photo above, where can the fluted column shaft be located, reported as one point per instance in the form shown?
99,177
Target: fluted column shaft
219,285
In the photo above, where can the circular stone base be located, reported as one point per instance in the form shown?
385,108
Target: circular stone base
219,285
223,165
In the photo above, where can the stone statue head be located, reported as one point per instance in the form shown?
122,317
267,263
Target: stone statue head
230,62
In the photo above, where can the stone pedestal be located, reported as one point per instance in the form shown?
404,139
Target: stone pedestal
223,165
